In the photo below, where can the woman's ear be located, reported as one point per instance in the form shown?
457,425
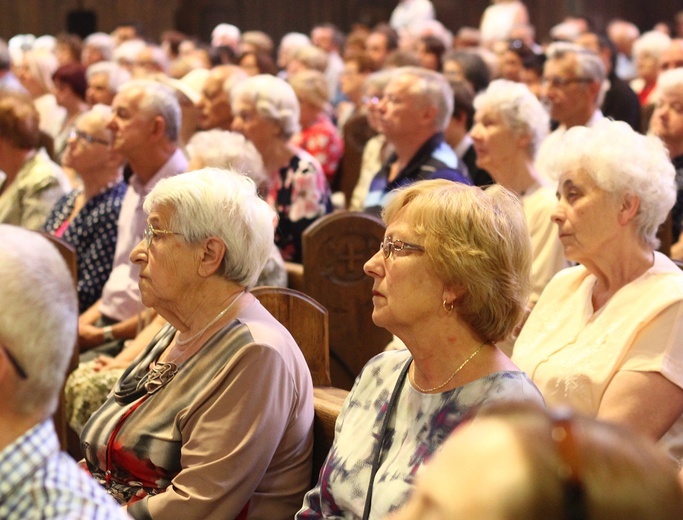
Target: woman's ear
628,208
212,256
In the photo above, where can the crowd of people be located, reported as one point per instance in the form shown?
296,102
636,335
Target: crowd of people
532,192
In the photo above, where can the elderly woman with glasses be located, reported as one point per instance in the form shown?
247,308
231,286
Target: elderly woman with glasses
266,111
87,217
214,418
451,279
606,336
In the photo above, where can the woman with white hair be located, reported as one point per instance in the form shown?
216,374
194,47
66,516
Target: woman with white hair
184,434
646,52
88,386
266,111
510,124
606,337
35,74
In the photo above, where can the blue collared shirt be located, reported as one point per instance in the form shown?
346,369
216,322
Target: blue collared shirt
37,480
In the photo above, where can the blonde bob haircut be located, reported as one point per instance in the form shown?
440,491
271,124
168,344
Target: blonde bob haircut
477,243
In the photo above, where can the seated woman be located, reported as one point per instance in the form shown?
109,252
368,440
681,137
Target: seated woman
318,135
70,86
184,434
451,279
606,337
88,386
86,218
510,123
266,111
556,466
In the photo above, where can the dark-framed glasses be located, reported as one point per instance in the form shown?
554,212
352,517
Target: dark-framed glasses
388,246
558,82
83,136
150,233
20,371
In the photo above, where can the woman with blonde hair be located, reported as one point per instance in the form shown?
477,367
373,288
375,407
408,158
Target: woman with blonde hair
451,279
318,135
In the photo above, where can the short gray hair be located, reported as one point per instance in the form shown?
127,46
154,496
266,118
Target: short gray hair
220,203
39,317
433,90
519,108
622,161
157,100
273,98
229,151
653,43
103,42
116,74
589,64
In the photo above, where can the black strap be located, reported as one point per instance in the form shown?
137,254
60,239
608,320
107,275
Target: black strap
377,455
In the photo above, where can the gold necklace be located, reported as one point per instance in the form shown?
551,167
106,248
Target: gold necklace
427,390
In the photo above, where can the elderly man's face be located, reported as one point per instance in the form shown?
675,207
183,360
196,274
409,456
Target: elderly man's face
571,97
214,105
402,111
131,128
667,119
98,90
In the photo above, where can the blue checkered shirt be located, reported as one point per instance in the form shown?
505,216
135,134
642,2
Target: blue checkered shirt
37,480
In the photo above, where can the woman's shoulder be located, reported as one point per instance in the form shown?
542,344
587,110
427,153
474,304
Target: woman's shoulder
506,385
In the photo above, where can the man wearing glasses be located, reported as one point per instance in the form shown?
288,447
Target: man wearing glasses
145,129
38,303
574,88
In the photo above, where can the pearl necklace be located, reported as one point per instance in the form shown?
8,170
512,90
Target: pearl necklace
182,342
427,390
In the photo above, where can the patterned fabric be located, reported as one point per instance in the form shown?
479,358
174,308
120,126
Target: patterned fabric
37,481
93,234
434,160
206,444
322,141
420,424
300,194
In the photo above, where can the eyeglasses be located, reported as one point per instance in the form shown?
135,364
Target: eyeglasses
562,434
82,136
150,233
15,363
388,247
557,82
371,100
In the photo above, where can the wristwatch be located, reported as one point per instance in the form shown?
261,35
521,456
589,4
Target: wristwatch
108,334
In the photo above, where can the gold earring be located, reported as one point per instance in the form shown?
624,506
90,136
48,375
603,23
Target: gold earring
448,307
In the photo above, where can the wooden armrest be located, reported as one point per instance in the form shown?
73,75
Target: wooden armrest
328,402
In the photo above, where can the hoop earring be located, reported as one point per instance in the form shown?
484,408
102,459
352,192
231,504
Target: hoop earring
448,307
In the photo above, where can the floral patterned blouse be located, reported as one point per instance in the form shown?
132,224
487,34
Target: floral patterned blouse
322,141
300,194
93,234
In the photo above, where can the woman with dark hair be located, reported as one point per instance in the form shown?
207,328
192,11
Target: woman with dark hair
70,86
431,50
257,62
